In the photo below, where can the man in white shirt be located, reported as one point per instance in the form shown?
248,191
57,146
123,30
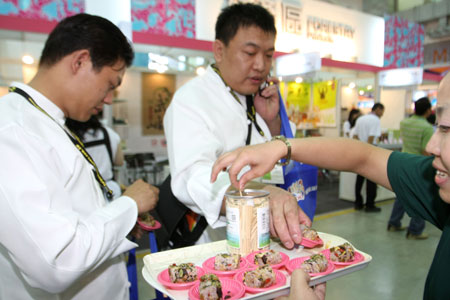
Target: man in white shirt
368,129
60,239
214,113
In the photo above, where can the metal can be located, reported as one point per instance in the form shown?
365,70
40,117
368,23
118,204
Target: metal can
248,227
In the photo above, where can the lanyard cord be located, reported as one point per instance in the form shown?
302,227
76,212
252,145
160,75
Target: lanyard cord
74,139
251,111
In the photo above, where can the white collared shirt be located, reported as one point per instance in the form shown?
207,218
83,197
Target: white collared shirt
59,238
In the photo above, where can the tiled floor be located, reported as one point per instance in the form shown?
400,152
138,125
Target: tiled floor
397,271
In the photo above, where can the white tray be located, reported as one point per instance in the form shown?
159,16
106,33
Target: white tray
156,262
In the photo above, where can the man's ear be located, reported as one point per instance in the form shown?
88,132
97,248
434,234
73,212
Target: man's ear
218,49
79,59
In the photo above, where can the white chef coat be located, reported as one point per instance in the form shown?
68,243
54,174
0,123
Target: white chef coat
202,122
368,125
58,239
100,155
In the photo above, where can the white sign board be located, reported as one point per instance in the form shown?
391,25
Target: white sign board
298,63
400,77
312,26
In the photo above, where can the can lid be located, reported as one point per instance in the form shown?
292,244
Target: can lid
247,194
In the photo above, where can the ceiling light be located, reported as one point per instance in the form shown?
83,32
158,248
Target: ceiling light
369,87
299,79
352,85
361,92
200,71
27,59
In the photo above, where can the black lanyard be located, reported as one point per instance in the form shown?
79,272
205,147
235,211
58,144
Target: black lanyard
75,140
251,111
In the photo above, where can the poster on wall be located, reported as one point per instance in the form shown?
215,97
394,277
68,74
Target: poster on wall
157,92
298,101
324,103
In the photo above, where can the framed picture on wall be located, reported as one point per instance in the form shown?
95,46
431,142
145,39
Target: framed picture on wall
157,92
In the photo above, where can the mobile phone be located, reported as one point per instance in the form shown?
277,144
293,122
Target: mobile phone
264,85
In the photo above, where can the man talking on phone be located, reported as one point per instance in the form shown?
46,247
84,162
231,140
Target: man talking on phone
233,104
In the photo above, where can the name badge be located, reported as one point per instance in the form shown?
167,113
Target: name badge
275,176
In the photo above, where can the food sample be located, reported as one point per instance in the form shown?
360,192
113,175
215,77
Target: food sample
147,219
270,257
342,253
316,264
210,287
262,277
309,232
227,262
182,273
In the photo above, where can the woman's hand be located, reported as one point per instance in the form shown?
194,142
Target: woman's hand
261,158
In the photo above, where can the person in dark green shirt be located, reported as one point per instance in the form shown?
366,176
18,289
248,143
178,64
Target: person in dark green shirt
421,183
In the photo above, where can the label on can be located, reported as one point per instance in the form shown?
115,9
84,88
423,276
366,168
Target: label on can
233,227
263,227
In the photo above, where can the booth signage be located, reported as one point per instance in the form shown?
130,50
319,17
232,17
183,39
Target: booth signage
400,77
327,30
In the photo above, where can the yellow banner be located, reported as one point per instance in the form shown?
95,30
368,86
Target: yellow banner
325,94
299,95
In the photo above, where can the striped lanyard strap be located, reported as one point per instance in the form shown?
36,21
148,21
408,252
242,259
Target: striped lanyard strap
251,111
75,140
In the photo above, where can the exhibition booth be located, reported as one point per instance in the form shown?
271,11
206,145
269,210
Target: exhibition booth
340,55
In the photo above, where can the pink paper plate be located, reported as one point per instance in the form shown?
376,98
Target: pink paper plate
230,287
311,243
208,265
251,259
358,258
280,280
148,227
297,262
164,279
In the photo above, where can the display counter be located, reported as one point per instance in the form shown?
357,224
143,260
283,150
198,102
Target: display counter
347,182
347,189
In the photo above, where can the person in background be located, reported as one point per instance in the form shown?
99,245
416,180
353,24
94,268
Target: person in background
60,238
415,132
103,145
421,183
223,109
350,123
368,130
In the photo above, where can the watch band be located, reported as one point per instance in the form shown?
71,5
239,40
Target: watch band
287,158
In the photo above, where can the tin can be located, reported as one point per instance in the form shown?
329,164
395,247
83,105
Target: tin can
248,227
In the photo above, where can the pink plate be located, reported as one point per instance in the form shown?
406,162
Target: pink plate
358,258
251,259
311,243
280,280
297,262
208,265
230,287
164,279
147,227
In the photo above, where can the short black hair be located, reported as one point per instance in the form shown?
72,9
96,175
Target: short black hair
377,106
240,15
421,106
106,43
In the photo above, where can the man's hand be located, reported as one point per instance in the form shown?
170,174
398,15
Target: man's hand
267,105
300,288
286,216
145,195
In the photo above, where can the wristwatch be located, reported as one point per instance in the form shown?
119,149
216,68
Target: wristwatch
287,158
